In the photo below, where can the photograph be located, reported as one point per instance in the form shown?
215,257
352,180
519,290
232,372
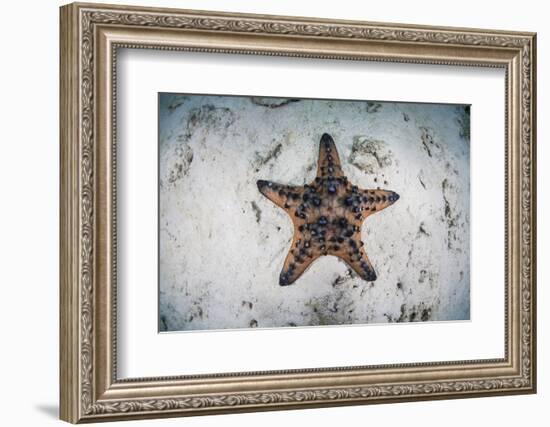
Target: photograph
289,212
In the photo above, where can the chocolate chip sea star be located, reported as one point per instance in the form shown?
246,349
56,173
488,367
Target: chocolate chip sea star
327,215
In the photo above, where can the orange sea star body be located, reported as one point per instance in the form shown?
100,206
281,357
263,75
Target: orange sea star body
327,215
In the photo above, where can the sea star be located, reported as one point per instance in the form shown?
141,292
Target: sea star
327,215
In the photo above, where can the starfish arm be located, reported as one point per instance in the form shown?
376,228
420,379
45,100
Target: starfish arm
363,203
360,204
298,259
329,161
359,261
284,196
376,200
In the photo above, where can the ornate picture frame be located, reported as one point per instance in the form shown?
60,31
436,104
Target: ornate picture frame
90,37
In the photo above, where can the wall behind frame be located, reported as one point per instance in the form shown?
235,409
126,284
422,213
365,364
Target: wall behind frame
29,177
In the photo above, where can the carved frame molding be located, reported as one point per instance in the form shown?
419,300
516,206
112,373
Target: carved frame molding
90,36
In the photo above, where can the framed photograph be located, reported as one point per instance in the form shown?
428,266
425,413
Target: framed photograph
266,212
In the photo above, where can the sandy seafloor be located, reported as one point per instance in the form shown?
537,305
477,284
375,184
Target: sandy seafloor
222,244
